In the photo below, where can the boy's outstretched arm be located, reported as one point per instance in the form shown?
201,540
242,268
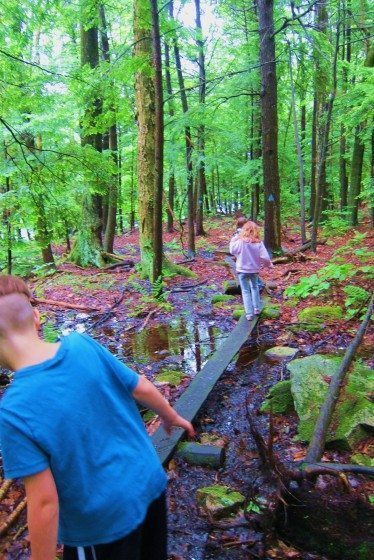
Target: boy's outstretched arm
146,393
42,515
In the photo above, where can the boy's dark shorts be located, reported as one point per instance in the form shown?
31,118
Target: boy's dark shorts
147,542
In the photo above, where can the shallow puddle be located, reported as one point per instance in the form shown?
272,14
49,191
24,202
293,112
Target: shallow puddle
181,342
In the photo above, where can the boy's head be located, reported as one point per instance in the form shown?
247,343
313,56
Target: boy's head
241,221
16,314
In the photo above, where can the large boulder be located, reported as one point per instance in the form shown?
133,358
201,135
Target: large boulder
320,313
354,413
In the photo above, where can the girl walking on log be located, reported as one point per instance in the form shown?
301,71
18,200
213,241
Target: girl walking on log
250,255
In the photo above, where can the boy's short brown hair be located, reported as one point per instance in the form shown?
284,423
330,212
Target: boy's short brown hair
241,221
13,285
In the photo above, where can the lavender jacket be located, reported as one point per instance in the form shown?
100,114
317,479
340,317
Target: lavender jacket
249,256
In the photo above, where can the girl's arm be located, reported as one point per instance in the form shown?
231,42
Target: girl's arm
146,393
264,256
235,245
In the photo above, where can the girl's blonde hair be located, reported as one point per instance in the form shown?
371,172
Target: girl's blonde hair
250,232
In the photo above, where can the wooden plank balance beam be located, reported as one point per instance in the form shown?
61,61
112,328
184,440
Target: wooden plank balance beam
193,398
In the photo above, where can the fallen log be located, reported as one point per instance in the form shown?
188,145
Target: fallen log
64,304
326,468
317,444
187,287
127,262
114,256
12,517
287,257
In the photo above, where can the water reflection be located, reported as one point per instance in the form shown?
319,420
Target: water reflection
184,342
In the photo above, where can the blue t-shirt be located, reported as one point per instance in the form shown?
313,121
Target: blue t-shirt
75,414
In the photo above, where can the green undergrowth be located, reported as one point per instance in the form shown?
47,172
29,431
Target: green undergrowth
342,274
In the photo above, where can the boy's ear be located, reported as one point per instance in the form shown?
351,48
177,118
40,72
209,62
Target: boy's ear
36,318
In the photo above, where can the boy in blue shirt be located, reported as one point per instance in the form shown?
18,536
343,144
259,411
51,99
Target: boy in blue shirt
69,426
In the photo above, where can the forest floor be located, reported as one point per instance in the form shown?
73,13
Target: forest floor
181,334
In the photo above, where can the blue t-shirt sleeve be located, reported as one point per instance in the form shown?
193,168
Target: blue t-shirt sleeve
21,454
128,377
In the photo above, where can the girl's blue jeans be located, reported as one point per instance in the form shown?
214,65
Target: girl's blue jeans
250,291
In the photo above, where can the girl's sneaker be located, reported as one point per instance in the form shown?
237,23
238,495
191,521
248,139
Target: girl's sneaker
257,311
249,317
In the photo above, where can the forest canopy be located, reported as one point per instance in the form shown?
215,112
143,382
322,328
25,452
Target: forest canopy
122,113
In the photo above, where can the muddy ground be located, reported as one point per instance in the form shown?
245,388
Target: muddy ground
183,337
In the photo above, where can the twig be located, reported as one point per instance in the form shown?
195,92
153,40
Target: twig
64,304
147,319
107,314
5,487
12,517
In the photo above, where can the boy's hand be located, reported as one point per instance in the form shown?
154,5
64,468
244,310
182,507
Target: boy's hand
178,422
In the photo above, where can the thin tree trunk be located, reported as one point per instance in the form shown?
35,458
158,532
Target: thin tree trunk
269,111
356,176
171,191
312,202
189,146
159,144
299,153
201,182
112,145
324,140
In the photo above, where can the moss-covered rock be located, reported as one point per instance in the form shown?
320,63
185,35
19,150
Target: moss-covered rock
354,413
280,353
220,298
271,311
219,501
361,459
320,314
171,376
238,311
279,399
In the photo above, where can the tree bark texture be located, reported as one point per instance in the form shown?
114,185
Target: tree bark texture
355,177
145,105
158,144
201,178
87,248
171,191
269,112
112,145
189,146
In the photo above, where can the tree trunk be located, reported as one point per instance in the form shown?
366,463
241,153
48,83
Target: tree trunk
145,104
312,202
299,153
171,191
87,247
269,127
112,145
324,133
159,145
189,146
201,179
355,178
